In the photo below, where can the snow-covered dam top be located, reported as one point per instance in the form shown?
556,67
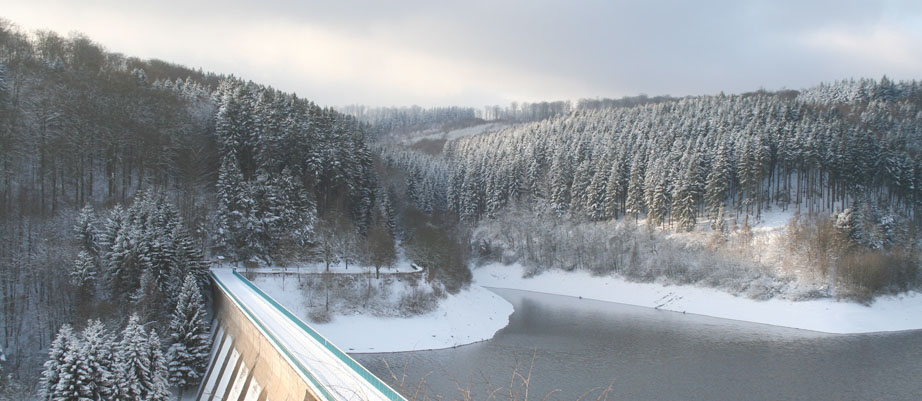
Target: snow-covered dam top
328,370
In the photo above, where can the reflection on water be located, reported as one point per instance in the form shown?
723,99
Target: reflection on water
580,347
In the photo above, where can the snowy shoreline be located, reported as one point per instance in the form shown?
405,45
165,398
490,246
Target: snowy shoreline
470,316
890,313
476,314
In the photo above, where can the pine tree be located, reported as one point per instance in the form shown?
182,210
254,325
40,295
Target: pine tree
98,355
83,273
614,191
73,382
85,231
134,376
57,354
188,354
123,264
561,179
635,190
655,193
235,125
188,257
147,298
718,182
234,206
685,200
159,374
596,202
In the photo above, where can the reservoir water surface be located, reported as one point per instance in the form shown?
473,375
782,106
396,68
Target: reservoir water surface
577,348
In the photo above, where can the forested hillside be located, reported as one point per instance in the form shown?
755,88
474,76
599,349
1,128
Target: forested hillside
677,161
845,156
120,177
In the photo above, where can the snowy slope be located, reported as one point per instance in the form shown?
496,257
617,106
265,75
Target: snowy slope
472,315
891,313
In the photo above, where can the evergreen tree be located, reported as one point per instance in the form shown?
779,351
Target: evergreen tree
596,202
83,273
685,200
148,299
124,265
134,375
614,191
561,179
188,354
159,374
98,356
60,348
234,206
74,374
121,257
188,256
655,193
718,182
235,124
635,192
85,231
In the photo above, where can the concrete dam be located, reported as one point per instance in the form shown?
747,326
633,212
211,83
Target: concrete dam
263,352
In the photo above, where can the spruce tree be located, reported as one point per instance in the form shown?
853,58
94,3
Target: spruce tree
561,179
57,355
234,208
614,192
635,190
86,232
159,389
98,355
73,381
187,255
685,200
123,264
190,343
134,377
83,273
718,182
147,298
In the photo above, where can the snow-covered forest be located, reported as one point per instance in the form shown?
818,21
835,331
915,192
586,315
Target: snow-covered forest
844,156
120,177
122,180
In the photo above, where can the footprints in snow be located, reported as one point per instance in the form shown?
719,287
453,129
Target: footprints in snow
667,299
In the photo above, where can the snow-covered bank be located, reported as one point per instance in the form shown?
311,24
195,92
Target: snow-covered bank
472,315
891,313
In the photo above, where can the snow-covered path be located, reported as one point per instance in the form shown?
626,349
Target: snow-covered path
331,372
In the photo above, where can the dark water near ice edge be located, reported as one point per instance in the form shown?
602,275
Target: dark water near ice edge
581,347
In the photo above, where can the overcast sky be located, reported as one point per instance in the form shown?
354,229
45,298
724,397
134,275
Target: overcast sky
474,53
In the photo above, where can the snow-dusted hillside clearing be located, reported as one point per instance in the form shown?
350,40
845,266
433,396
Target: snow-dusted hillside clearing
440,134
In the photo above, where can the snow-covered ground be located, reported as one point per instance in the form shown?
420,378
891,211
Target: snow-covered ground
436,134
472,315
890,313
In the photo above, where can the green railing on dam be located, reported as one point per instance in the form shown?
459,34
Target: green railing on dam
360,370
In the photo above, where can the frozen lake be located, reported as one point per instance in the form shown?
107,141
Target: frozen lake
582,346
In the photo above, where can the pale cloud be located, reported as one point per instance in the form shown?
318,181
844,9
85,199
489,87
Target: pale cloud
875,48
481,52
327,65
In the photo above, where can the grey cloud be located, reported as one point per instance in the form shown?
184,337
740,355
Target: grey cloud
603,48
